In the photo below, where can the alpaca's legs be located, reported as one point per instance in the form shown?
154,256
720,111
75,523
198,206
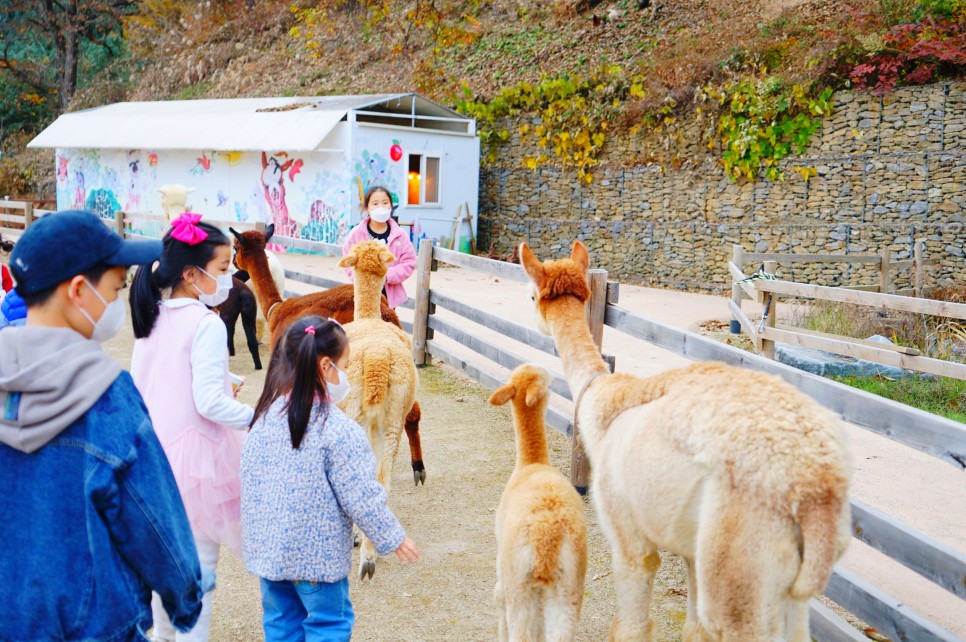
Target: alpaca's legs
248,315
561,612
230,327
522,615
635,562
415,445
500,600
796,621
693,629
367,552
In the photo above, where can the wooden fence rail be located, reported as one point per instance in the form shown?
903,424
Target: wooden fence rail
768,332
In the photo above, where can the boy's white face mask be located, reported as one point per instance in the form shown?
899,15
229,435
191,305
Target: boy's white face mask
112,319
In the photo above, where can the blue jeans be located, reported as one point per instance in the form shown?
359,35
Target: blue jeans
306,611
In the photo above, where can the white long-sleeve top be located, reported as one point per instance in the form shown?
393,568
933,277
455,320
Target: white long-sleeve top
209,356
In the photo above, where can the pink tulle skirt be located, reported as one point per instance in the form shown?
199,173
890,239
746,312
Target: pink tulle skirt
207,467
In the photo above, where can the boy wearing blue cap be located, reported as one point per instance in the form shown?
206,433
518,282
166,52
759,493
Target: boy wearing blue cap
92,519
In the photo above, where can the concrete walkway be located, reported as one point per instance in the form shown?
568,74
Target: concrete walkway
916,488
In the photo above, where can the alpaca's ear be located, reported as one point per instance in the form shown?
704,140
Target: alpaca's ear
236,234
580,256
535,393
532,265
269,231
348,260
386,256
188,190
503,395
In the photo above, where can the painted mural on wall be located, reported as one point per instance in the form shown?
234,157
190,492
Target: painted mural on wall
305,196
372,168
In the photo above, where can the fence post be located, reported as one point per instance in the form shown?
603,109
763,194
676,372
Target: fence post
119,222
596,306
28,214
917,253
884,270
769,307
738,258
422,307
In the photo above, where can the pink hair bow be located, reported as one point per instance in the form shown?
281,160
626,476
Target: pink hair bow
185,229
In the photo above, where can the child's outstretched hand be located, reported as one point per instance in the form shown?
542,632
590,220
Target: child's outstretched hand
407,551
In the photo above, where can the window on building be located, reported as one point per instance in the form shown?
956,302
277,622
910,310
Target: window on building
423,179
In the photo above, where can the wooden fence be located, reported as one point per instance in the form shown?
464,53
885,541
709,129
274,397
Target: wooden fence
768,331
942,438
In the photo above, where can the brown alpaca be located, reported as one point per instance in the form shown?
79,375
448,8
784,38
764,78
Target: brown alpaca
336,303
735,471
541,533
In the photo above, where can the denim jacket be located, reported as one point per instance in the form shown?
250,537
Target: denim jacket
90,523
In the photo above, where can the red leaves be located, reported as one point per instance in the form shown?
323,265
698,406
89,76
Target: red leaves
914,54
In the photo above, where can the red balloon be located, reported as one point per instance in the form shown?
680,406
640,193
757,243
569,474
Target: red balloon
395,153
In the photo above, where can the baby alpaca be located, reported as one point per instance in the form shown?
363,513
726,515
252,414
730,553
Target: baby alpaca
541,533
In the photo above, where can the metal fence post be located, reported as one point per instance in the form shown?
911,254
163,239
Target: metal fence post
738,258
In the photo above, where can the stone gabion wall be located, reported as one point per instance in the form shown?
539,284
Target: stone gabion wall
889,171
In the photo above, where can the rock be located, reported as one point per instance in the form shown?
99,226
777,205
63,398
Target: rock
828,364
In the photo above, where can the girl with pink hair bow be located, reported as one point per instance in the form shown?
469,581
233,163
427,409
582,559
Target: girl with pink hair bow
180,366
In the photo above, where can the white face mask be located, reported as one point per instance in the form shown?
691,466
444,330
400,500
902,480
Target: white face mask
338,391
380,214
222,289
112,319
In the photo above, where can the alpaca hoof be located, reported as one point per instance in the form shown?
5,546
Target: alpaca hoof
366,569
419,473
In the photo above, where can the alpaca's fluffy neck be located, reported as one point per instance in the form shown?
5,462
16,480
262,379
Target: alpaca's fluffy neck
367,295
580,356
265,289
531,434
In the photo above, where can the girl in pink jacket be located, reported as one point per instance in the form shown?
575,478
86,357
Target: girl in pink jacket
378,225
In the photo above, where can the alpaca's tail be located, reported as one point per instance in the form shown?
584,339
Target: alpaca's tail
375,377
546,535
820,520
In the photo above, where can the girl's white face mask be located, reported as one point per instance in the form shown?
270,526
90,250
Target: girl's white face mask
338,391
380,214
112,319
222,289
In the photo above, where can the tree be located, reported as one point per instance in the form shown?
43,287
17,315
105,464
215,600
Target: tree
41,41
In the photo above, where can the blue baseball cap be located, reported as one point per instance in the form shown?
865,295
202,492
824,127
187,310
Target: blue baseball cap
59,246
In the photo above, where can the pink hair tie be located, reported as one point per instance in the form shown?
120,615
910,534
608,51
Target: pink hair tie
310,330
185,229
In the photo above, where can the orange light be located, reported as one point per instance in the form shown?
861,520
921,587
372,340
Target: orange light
414,180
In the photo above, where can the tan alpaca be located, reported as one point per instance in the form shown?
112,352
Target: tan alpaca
735,471
381,370
541,533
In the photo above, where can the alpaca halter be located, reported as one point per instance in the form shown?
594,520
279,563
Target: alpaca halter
271,308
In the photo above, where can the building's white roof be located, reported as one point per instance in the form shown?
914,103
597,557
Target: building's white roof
297,124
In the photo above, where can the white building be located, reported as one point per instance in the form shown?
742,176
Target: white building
302,163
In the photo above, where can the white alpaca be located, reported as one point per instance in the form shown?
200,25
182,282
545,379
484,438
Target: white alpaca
541,533
736,471
174,199
380,369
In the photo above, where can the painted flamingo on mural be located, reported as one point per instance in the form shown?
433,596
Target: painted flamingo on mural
273,182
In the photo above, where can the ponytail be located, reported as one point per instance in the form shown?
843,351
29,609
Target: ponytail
145,297
294,370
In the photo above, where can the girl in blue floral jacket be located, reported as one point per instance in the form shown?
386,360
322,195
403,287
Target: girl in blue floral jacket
308,474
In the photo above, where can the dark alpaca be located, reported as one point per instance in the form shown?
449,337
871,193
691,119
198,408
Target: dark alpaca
241,301
336,303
